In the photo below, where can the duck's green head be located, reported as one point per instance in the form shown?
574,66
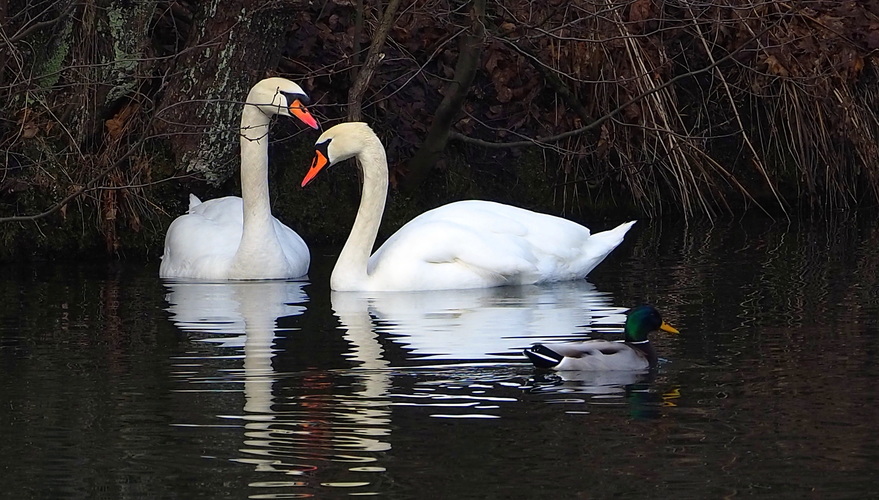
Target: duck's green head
642,320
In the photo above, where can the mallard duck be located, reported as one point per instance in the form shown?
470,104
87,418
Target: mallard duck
633,353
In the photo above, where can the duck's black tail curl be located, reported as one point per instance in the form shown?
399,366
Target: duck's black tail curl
542,356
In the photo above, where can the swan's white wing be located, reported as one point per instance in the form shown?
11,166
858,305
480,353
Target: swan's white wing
452,248
193,202
479,243
295,249
226,211
202,243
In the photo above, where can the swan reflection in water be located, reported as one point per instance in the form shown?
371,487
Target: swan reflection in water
478,325
243,316
474,338
292,434
461,347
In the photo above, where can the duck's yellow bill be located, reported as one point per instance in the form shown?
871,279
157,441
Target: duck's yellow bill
668,328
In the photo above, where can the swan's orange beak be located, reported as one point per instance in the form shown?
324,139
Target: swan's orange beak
317,164
298,110
668,328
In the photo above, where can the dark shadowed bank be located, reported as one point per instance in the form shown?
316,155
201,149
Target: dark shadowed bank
600,111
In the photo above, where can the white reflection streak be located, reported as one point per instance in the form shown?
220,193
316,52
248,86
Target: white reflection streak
473,325
372,402
461,327
246,315
248,311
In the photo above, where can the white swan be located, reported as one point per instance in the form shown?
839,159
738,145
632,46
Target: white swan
238,238
467,244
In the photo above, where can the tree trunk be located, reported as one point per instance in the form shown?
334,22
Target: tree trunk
231,45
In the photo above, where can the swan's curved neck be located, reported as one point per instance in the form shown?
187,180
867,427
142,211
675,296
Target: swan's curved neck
255,164
258,227
351,271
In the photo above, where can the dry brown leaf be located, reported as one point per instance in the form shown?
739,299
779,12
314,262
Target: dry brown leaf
116,125
504,94
774,67
856,66
640,11
29,131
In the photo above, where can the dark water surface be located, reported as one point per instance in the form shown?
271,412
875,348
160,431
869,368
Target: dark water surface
116,385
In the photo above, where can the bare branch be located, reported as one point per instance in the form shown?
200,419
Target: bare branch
373,58
555,138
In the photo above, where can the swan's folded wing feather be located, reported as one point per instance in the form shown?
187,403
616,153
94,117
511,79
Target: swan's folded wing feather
198,242
560,248
225,211
294,247
479,243
438,241
194,201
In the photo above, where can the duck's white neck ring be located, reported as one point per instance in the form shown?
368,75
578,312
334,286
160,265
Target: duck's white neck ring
639,342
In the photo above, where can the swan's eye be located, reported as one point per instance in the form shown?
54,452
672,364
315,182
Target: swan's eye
322,148
296,103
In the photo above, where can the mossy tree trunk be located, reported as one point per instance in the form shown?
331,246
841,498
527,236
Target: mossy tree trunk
231,45
91,88
73,80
